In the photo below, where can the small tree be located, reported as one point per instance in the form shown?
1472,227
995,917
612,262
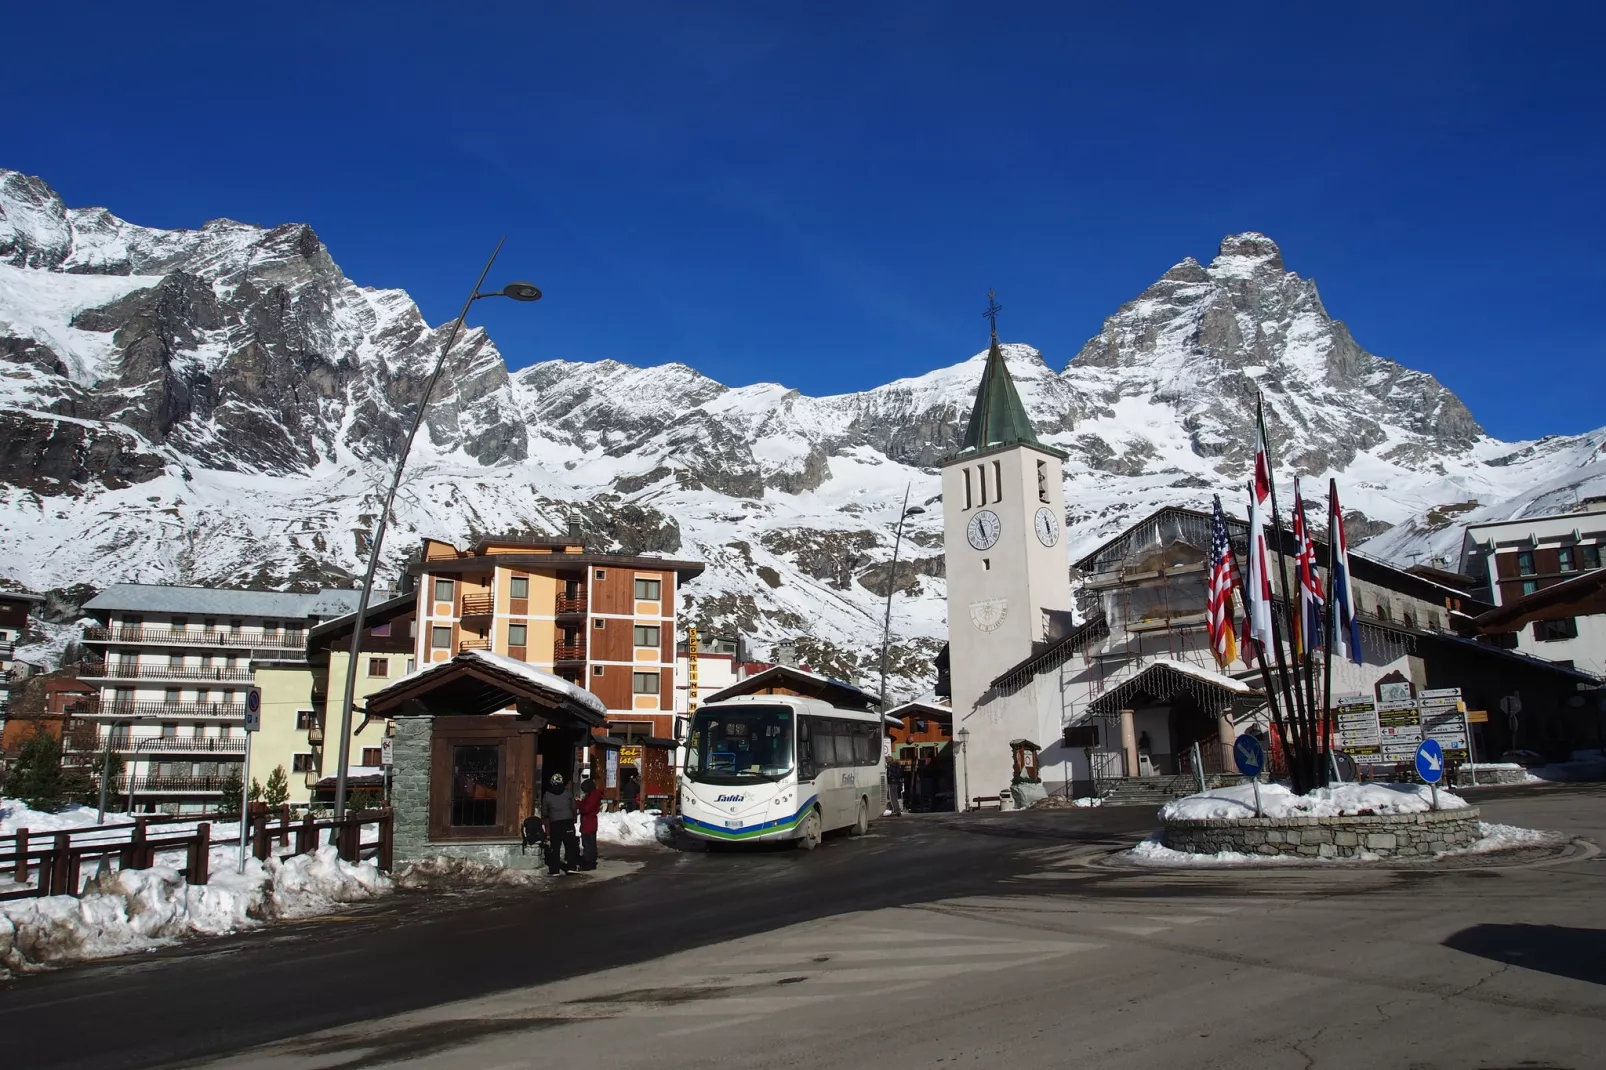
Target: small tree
37,777
277,793
233,785
256,790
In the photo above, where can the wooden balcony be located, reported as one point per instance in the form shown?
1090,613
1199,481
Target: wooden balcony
571,606
473,644
477,605
568,652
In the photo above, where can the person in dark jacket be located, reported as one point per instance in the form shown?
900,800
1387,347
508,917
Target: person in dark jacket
589,806
557,811
894,787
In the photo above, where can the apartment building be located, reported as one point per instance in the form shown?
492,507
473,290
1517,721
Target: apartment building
1521,561
173,667
604,621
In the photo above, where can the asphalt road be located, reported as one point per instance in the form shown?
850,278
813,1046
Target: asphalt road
976,940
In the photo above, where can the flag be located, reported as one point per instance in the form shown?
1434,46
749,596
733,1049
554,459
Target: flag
1257,587
1347,635
1308,626
1262,455
1223,581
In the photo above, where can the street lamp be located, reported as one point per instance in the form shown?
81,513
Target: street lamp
892,583
518,291
963,737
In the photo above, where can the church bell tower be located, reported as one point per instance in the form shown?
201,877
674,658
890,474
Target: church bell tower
1003,507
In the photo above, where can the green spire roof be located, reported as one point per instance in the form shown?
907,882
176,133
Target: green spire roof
998,418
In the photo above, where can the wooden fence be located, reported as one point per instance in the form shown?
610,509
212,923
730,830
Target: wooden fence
55,863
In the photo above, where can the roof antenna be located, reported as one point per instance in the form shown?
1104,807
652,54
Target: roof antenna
991,315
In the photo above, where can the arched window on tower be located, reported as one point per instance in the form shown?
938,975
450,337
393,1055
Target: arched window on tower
998,482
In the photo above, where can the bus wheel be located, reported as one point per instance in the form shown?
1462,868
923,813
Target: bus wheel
809,832
862,825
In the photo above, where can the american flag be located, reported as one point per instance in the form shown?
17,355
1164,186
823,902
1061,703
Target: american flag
1223,581
1308,629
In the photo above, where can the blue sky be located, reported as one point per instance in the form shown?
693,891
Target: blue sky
822,194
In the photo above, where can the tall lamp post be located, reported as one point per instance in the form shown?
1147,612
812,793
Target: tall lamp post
963,736
518,291
892,585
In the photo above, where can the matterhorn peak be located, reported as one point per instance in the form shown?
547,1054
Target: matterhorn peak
1245,254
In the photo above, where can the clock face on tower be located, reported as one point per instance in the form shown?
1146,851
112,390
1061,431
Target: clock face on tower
983,529
1047,527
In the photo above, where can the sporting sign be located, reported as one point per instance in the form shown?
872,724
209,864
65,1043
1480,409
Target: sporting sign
1249,755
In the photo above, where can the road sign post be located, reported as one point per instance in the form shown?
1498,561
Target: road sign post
253,724
1250,758
1430,765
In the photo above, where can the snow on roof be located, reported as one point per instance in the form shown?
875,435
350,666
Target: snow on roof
522,669
1132,672
166,598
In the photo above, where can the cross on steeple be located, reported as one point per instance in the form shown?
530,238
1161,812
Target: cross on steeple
993,309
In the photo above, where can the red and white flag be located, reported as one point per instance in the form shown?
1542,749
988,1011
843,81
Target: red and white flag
1257,584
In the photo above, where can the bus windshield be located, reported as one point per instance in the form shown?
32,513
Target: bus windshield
738,744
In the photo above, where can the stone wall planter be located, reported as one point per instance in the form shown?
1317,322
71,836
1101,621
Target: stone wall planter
1384,835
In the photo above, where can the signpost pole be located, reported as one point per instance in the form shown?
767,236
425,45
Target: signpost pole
1435,795
245,799
253,722
1255,780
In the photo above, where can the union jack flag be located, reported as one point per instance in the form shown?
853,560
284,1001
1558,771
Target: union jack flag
1223,581
1308,626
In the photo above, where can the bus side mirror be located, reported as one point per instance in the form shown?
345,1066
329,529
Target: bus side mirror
680,729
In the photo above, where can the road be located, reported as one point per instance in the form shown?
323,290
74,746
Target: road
980,941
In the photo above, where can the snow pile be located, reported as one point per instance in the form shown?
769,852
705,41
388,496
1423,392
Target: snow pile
639,829
124,911
1495,837
1060,802
1345,800
444,873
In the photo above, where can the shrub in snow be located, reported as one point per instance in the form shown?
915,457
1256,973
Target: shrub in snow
1344,800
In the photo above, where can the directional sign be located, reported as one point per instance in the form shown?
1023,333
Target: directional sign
1430,761
253,710
386,752
1250,756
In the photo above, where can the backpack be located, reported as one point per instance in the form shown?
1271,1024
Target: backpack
534,831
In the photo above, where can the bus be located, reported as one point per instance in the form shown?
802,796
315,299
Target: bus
781,767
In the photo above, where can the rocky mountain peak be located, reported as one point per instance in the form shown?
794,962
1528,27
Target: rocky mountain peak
221,405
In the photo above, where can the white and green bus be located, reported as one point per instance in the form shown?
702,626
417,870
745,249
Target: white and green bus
781,767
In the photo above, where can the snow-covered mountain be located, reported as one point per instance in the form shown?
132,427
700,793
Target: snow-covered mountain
218,406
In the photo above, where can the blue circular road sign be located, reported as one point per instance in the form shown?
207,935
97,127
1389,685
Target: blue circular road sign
1249,755
1430,761
253,699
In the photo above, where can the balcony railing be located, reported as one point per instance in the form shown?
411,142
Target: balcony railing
196,637
175,710
137,745
6,651
193,784
473,644
315,733
477,605
576,604
123,671
568,652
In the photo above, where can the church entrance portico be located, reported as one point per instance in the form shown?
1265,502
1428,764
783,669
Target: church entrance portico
1152,717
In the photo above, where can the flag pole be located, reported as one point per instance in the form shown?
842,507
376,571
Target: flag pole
1332,625
1318,716
1272,679
1297,702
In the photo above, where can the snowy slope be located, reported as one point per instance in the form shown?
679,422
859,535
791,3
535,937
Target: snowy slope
214,406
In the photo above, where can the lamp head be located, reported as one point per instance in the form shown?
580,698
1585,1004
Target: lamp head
522,291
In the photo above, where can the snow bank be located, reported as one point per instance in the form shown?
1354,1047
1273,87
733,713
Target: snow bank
445,872
639,829
1151,852
124,911
1278,801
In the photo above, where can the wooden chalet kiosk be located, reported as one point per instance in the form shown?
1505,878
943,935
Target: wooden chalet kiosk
475,738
